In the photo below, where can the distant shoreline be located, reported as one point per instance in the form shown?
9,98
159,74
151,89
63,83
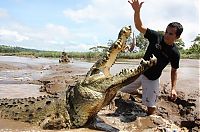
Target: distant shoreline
19,51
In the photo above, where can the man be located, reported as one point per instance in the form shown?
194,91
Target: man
163,47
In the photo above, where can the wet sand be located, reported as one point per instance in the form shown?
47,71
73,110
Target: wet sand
23,77
188,75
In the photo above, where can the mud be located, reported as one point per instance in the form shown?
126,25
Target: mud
25,77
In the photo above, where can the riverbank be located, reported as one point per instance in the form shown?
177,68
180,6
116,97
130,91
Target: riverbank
17,74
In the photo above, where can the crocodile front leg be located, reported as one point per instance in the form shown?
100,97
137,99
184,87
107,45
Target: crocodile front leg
98,124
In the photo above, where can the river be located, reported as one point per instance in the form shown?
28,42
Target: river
17,72
28,68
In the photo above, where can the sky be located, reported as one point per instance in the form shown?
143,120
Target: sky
77,25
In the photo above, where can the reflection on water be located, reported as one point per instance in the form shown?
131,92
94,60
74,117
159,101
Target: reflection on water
17,76
19,90
27,60
82,64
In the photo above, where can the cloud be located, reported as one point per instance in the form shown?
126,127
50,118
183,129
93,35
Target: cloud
62,38
97,21
110,15
19,34
81,15
76,46
100,20
158,15
3,13
99,11
11,36
56,32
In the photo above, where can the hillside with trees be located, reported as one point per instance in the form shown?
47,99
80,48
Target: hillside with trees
95,52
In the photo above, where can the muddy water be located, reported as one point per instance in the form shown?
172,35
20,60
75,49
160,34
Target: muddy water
17,72
19,91
188,76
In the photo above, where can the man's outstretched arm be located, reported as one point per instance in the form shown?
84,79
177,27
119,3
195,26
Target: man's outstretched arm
137,20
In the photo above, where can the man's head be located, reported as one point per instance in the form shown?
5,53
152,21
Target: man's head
173,32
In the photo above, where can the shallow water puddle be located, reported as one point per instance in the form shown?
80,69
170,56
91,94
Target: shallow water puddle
19,90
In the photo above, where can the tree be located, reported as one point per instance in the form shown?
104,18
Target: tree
197,39
99,49
94,49
161,32
141,42
180,44
195,48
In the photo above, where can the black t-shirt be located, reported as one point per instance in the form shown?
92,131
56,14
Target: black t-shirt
163,52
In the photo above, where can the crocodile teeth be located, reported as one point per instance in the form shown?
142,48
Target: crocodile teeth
125,71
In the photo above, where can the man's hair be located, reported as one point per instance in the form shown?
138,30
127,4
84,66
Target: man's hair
178,26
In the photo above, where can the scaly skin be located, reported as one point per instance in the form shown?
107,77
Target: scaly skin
74,108
87,98
47,111
80,103
64,58
104,64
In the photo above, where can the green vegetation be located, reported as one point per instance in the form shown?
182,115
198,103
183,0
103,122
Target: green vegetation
193,51
96,52
19,51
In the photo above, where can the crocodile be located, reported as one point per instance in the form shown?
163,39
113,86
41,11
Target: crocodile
104,64
79,105
74,107
64,58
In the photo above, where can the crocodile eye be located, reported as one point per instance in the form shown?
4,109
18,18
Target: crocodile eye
39,108
30,115
48,102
